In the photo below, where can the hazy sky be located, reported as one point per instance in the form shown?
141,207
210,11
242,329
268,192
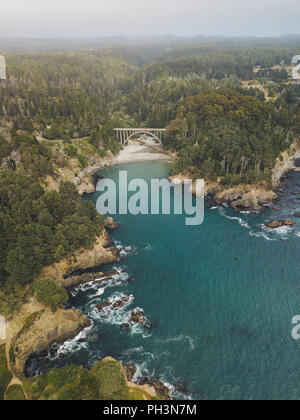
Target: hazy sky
84,18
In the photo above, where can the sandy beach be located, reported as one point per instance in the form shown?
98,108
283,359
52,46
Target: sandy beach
139,151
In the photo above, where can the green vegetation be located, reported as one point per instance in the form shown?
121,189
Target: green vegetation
112,381
230,109
49,293
105,381
224,133
38,228
15,393
34,156
5,375
27,324
220,126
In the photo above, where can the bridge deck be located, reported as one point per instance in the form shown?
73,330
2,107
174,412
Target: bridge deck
139,129
125,134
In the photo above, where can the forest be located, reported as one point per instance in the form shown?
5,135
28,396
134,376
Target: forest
230,109
223,133
38,228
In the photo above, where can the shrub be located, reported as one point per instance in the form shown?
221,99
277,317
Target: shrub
46,291
111,380
15,393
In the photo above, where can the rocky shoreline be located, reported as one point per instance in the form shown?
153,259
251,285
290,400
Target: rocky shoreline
248,197
42,327
62,273
240,198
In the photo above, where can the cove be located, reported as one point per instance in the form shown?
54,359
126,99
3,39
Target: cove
221,297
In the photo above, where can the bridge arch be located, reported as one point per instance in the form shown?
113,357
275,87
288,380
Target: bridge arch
143,132
125,134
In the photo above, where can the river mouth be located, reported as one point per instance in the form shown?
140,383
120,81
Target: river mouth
220,296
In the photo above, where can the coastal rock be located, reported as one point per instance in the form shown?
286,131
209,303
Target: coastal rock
279,223
82,260
150,389
103,305
85,185
137,317
163,392
285,163
240,197
289,222
97,277
109,223
246,198
48,328
130,371
211,188
118,304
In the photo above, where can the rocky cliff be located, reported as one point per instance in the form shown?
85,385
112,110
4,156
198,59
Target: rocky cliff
286,162
82,260
40,330
240,197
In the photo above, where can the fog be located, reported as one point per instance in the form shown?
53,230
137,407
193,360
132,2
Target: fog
98,18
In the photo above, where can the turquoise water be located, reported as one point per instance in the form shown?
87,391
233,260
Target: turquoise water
221,296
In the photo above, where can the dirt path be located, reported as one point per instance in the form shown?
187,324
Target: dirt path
12,329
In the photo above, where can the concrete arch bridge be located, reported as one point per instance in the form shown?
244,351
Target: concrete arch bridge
125,134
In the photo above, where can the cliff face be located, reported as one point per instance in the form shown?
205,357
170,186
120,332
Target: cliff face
147,388
240,197
40,330
286,162
82,260
243,197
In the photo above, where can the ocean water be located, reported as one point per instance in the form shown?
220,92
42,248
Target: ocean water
221,297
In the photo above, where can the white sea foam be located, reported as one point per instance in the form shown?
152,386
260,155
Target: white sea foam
261,235
125,250
98,289
241,221
281,233
73,345
184,338
261,231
